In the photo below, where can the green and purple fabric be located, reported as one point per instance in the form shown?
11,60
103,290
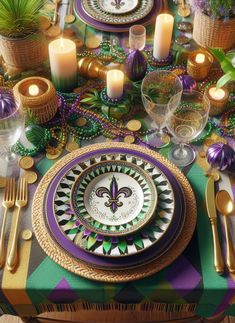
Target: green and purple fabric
41,285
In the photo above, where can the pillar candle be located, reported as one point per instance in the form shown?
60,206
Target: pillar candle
63,63
115,83
163,35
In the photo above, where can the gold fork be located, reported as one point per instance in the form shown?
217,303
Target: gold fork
21,201
7,203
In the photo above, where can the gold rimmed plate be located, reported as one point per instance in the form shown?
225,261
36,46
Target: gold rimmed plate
114,198
95,10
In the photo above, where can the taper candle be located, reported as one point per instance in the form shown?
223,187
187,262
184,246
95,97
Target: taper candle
163,36
63,63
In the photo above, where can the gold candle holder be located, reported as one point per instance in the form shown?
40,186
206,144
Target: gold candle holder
218,99
199,64
39,95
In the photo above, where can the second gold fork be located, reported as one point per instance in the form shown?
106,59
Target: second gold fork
21,201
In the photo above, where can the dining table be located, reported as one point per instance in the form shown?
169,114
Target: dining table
189,285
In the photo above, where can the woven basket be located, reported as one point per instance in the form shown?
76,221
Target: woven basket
214,33
23,53
44,106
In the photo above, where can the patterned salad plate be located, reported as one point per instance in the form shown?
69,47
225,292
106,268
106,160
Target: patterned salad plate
57,229
91,13
118,6
114,198
95,9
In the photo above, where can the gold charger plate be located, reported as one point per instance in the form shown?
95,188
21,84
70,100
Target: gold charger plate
56,253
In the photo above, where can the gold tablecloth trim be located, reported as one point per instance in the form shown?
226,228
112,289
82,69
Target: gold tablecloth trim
60,256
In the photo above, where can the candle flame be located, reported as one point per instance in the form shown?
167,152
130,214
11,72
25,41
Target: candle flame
33,90
200,58
61,42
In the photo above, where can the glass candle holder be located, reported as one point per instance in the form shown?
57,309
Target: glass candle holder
137,37
218,99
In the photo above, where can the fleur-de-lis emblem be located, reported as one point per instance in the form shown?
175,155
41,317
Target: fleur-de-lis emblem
118,4
113,194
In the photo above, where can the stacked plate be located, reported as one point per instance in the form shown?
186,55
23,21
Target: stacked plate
112,207
117,15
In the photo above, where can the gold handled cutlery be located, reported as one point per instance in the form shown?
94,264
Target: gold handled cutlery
8,202
211,211
55,17
20,202
225,206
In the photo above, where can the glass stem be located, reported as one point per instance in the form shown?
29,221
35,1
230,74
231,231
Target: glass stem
181,148
10,155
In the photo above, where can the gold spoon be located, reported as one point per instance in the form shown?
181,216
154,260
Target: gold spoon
225,206
55,17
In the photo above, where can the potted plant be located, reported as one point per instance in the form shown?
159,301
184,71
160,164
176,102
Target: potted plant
214,23
22,44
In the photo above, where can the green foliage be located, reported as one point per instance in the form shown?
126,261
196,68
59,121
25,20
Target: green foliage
19,18
221,7
226,64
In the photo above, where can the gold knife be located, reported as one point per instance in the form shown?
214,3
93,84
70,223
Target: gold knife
211,211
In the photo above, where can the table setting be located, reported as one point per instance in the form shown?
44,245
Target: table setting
117,177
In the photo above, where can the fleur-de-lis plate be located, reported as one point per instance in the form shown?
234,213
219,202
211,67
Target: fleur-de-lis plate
166,219
118,6
116,12
114,198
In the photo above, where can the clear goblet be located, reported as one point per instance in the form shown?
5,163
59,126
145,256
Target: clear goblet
186,120
157,89
11,123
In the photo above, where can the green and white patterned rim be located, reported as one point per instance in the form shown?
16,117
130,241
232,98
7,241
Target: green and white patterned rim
109,246
114,198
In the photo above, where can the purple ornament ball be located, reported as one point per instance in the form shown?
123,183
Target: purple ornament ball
221,156
188,82
7,103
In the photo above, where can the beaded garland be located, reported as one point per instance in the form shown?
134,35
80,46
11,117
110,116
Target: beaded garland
70,108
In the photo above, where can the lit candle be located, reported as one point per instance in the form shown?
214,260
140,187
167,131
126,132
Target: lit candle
33,90
216,94
200,58
115,83
163,36
218,99
199,64
63,63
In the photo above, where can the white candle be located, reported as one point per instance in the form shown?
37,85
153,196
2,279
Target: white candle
200,58
163,36
115,83
33,90
63,63
216,94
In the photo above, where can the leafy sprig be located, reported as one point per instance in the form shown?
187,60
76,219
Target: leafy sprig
227,65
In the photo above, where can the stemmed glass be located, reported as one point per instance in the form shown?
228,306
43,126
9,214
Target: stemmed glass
11,123
186,119
157,89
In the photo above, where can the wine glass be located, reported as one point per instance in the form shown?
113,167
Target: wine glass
11,122
186,120
157,89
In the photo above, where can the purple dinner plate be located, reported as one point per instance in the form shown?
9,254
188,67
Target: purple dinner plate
122,262
78,8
